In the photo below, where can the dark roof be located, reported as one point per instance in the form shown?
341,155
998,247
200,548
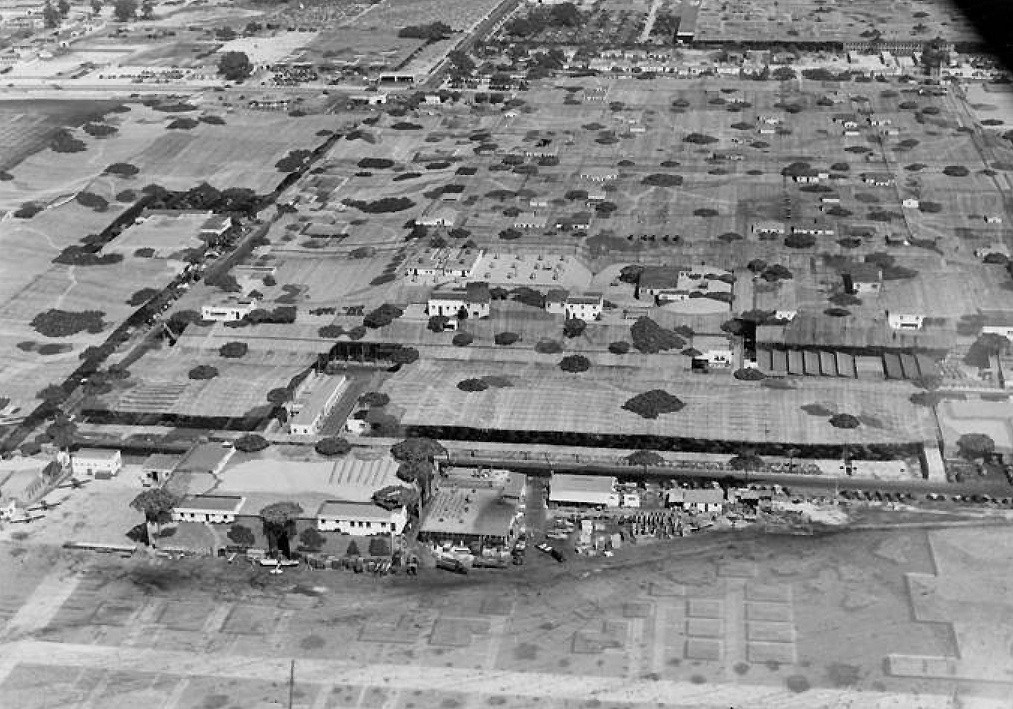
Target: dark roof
660,277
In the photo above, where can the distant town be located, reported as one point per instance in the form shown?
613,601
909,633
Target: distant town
657,349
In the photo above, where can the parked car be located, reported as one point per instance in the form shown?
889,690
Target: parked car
451,564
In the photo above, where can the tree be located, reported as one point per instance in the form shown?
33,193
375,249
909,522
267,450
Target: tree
156,504
352,549
251,443
574,327
125,10
974,446
147,10
404,355
312,539
234,66
652,403
437,323
575,364
379,546
747,460
62,432
233,350
417,457
461,64
333,446
279,396
279,523
96,7
844,421
394,497
645,459
241,536
50,15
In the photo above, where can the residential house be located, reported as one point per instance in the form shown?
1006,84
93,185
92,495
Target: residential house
555,301
704,501
585,307
472,301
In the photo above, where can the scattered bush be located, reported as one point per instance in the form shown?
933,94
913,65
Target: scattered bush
28,210
548,347
380,164
660,180
332,446
404,355
384,205
63,141
749,374
93,201
705,212
699,139
462,339
652,403
233,350
472,385
382,316
800,241
956,171
294,160
251,443
99,130
203,371
122,169
506,338
575,363
183,123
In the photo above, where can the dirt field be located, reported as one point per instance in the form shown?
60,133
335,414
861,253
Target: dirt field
706,622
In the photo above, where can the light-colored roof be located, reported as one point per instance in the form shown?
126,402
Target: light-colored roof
365,511
471,511
161,462
204,457
349,478
95,453
562,482
313,404
211,503
708,496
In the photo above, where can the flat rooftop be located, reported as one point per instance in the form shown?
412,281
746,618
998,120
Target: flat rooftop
582,483
211,503
468,511
353,510
316,401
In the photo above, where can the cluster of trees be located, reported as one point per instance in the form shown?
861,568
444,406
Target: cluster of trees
541,18
64,323
433,32
650,338
384,205
204,197
295,160
235,66
382,316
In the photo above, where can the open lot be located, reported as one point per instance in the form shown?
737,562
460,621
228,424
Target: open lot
776,620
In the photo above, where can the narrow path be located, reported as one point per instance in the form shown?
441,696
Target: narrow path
649,23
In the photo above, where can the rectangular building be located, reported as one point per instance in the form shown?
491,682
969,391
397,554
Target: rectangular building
207,509
583,490
97,462
310,411
360,518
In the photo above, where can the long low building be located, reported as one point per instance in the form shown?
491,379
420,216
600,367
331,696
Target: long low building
360,518
589,490
311,409
209,509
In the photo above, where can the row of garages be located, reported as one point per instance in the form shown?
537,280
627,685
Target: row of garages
830,363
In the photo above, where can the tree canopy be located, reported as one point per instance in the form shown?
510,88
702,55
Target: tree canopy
235,66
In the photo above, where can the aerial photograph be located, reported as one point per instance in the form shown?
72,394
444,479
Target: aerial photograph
506,354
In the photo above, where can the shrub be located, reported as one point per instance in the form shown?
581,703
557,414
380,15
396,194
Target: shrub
404,355
99,130
575,363
233,350
800,241
63,141
332,446
384,205
620,348
510,234
749,374
837,312
956,171
212,120
92,201
662,180
251,443
705,212
63,323
142,296
82,256
462,339
437,323
699,139
127,196
377,164
406,125
652,403
122,169
294,160
183,123
203,371
730,236
28,210
506,338
548,347
472,385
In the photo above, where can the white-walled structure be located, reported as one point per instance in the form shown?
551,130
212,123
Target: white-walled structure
228,310
360,518
208,509
96,461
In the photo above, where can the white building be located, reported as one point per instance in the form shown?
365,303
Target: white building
585,307
531,220
360,518
208,509
591,490
321,393
475,302
97,462
229,310
599,174
905,321
910,203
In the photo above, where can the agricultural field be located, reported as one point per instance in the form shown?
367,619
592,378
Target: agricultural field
26,127
543,398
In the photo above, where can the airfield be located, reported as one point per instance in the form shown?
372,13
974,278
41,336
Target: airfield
871,619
